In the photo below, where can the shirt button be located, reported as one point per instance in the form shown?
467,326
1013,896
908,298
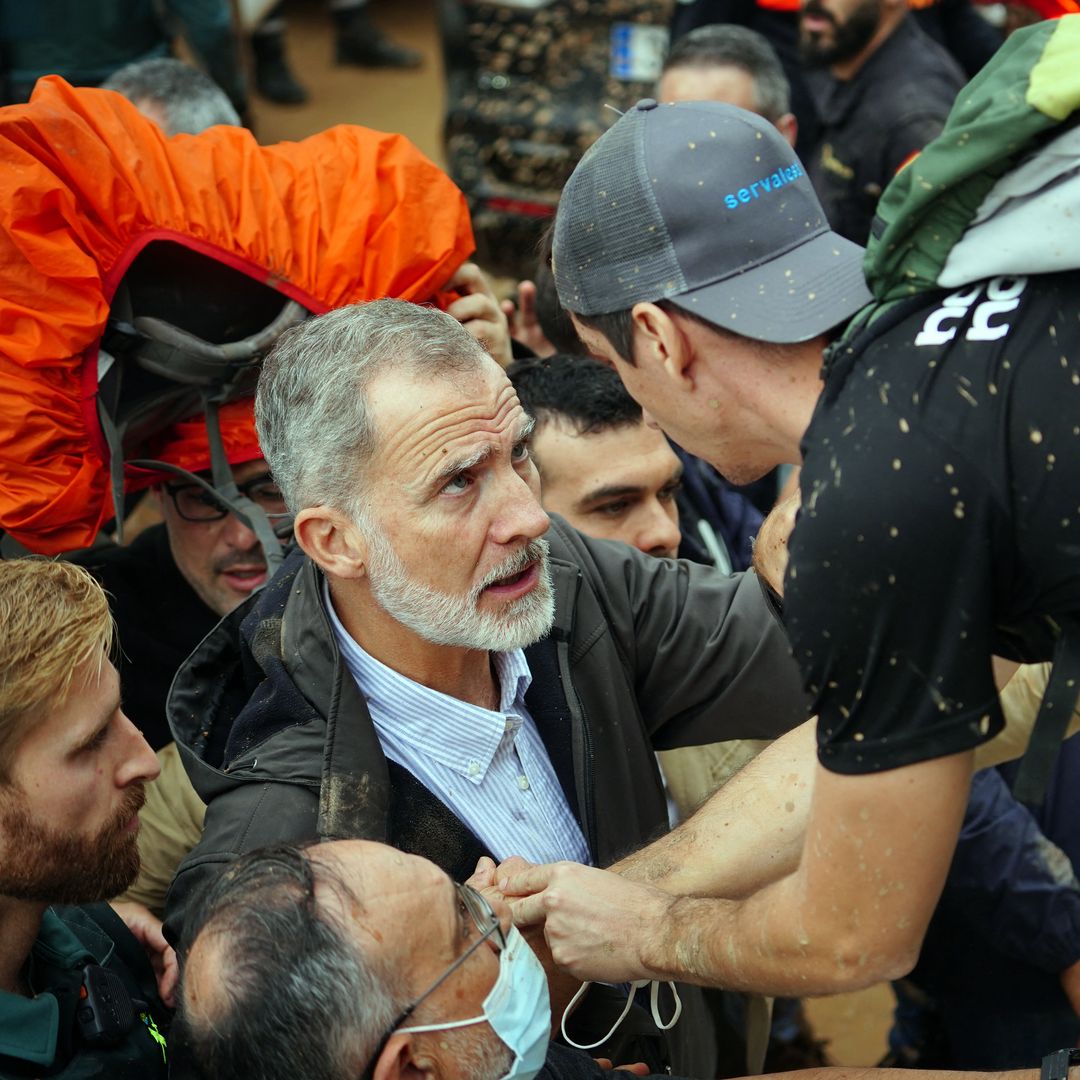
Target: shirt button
509,725
523,783
474,768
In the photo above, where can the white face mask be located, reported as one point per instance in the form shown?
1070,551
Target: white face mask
517,1008
654,1005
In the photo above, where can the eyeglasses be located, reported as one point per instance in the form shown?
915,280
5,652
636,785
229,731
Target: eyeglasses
487,922
195,503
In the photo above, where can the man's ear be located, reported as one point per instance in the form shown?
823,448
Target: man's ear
788,126
398,1062
332,541
659,342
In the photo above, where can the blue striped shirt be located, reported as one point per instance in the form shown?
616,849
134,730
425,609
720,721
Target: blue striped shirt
490,768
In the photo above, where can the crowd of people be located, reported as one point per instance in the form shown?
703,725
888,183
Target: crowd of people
398,680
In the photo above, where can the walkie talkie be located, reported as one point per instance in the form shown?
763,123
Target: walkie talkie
105,1012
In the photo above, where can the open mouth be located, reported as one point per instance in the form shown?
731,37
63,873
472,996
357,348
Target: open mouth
245,578
515,584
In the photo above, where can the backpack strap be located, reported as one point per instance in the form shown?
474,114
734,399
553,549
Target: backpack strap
114,442
250,513
1058,703
219,373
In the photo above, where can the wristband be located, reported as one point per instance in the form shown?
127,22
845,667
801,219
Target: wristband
1055,1066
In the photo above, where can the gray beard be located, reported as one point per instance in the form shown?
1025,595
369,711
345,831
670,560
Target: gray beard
480,1058
456,620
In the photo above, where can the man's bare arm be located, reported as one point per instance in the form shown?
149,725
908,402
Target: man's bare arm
845,1072
852,913
748,834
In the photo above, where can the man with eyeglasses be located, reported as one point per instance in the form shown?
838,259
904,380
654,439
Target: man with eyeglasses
172,584
352,959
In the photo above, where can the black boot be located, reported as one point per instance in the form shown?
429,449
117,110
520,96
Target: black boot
361,42
273,79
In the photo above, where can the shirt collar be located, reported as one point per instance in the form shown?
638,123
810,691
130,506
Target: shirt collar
457,734
29,1027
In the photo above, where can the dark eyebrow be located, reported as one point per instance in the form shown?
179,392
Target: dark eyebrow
611,492
625,491
454,466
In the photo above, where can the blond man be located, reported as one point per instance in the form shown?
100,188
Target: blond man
74,981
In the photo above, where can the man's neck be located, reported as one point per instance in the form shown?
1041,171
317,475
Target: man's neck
846,70
20,922
783,395
465,674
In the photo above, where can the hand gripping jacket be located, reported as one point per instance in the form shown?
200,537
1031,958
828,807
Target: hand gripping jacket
95,201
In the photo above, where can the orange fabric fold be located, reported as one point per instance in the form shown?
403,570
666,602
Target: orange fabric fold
86,182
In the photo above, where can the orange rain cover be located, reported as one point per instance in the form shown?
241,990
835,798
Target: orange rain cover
86,182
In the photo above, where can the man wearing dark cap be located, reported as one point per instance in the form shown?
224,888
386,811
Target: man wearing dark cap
939,523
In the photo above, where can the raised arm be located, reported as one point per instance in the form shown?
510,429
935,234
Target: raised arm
748,834
853,912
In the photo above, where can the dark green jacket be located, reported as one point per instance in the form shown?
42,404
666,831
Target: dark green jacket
1026,96
39,1037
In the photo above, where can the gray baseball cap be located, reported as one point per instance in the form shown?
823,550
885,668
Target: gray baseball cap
705,205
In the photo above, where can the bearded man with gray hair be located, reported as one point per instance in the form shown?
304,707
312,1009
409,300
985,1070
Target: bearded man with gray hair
440,666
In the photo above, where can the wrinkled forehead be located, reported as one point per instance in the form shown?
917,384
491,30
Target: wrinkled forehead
421,422
364,878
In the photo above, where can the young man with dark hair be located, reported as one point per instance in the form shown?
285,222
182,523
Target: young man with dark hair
600,467
613,476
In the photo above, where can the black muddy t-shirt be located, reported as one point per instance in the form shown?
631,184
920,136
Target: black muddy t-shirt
940,520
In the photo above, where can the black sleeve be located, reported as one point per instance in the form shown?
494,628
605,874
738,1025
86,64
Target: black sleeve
240,819
890,590
908,136
706,657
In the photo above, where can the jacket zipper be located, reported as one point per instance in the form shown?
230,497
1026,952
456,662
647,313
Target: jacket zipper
581,724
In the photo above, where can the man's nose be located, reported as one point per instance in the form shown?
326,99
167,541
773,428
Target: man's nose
139,763
521,516
660,533
238,535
